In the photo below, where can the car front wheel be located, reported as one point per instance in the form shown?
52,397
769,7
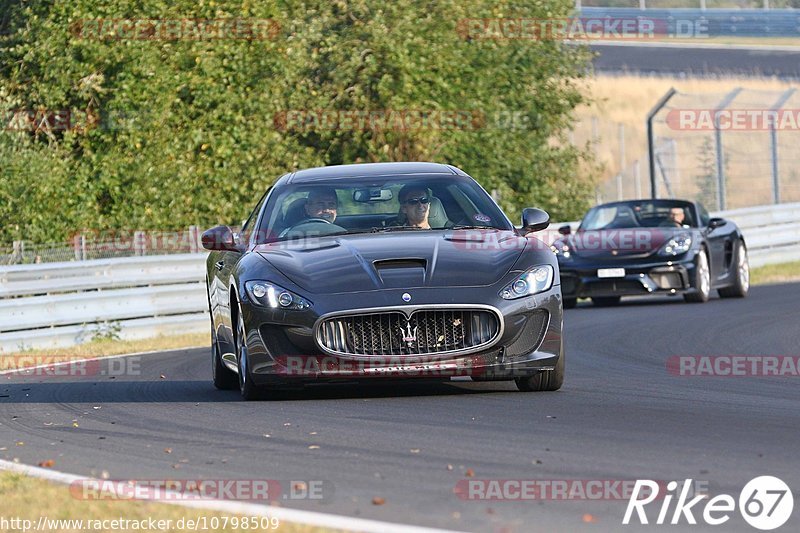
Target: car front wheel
546,380
741,285
702,280
248,389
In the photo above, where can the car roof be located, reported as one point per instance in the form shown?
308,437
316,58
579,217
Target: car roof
370,170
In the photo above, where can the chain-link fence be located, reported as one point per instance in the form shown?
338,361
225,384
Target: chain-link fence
728,150
105,245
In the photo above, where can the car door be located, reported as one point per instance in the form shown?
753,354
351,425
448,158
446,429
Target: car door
720,243
224,265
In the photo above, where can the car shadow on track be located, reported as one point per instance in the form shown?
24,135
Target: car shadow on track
98,392
639,301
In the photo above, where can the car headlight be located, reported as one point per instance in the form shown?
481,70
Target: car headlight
677,245
268,294
536,280
561,249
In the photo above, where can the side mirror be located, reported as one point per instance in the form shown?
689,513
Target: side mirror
219,238
716,223
534,219
565,230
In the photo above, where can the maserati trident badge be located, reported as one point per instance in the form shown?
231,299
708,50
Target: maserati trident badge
409,335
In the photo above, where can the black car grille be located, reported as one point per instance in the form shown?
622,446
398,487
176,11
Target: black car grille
618,286
433,331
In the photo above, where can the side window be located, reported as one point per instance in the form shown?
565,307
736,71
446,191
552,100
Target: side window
247,228
704,216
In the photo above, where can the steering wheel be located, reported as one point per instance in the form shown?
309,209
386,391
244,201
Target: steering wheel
670,224
306,221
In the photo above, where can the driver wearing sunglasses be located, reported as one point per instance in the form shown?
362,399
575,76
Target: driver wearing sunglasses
415,204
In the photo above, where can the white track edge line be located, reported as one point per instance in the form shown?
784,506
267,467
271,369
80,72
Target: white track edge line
313,518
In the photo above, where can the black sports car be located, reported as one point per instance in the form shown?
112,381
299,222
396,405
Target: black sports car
403,270
642,247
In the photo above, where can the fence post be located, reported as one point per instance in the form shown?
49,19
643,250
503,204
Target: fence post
17,248
651,151
637,179
79,247
721,193
621,160
773,141
139,243
194,239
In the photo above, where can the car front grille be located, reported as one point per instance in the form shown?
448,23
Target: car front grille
426,331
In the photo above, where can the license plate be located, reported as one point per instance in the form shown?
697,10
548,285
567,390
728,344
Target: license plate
611,273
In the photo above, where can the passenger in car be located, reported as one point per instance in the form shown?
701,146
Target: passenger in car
415,204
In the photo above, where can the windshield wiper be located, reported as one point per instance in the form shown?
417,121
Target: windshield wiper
467,226
378,229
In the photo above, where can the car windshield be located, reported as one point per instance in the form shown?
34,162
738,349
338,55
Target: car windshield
640,214
368,205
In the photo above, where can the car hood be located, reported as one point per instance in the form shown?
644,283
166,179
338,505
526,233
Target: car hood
399,260
620,243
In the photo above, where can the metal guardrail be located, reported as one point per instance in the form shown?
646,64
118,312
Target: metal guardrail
63,304
714,22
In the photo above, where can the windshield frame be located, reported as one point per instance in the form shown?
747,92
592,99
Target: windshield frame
633,204
436,182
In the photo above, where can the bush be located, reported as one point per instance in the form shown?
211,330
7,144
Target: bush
177,132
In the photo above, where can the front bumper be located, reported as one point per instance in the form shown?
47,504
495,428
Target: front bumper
282,348
581,280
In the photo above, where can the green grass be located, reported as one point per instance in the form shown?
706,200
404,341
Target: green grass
780,273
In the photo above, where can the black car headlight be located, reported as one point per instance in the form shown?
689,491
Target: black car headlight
677,245
561,249
266,294
537,279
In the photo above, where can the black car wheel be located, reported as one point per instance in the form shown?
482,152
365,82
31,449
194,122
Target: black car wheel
546,380
605,301
741,286
702,280
248,389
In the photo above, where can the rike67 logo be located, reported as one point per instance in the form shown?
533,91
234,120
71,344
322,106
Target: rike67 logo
765,503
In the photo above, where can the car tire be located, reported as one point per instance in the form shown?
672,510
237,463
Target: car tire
605,301
546,380
569,303
222,377
741,286
248,389
702,280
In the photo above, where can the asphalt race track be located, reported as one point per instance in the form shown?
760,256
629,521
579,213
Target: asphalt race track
697,61
620,416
